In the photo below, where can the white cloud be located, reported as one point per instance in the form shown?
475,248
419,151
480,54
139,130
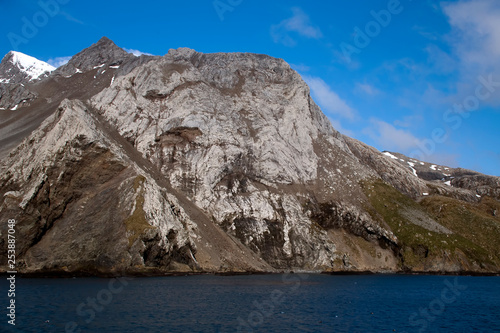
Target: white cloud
476,27
441,61
338,126
58,61
137,53
475,41
388,137
367,89
298,23
327,98
300,67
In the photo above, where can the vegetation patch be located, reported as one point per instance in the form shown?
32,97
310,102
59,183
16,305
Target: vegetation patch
479,222
420,246
136,223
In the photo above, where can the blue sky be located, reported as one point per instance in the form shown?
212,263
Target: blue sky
417,77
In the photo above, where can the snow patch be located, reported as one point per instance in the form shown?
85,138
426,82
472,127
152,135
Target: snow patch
433,167
99,66
390,155
411,164
448,182
15,107
115,67
425,193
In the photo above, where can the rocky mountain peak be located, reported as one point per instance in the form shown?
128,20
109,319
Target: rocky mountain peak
17,73
103,53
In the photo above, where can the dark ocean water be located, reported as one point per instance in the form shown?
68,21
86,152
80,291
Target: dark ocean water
257,303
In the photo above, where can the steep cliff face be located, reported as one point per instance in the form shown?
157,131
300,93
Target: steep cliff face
240,135
222,162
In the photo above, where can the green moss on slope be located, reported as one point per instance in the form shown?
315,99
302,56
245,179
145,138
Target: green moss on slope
420,248
136,223
478,222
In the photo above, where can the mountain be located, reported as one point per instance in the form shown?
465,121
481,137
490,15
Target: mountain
16,71
221,162
17,67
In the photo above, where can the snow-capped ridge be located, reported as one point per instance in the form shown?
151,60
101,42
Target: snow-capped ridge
33,67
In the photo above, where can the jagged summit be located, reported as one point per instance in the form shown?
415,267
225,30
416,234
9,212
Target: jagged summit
104,52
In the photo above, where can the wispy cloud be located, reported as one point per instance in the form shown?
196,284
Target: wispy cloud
440,61
299,23
388,137
137,53
338,126
58,61
300,67
367,89
70,17
475,40
426,33
328,99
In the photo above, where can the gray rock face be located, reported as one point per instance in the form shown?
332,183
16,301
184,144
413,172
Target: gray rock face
238,134
209,162
104,52
14,96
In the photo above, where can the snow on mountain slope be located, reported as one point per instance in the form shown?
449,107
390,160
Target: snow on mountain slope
33,67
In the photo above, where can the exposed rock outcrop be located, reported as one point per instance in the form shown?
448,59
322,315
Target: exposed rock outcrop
222,162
